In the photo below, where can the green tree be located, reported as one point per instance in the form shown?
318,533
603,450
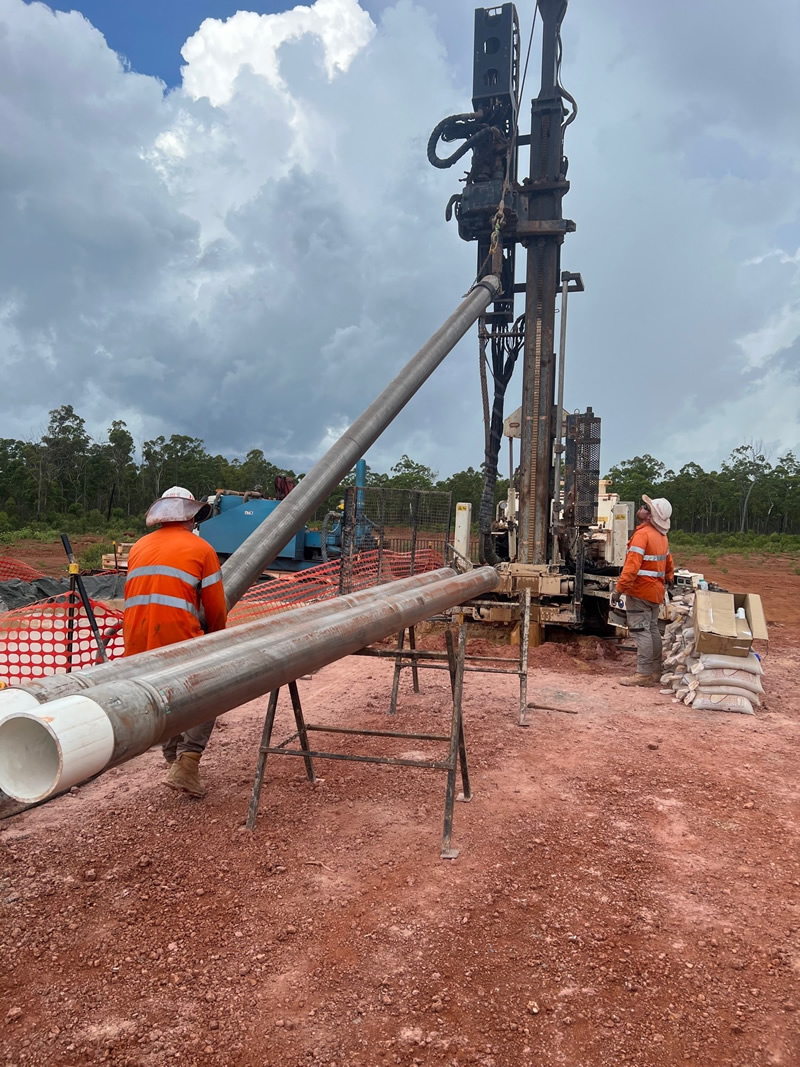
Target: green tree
635,476
16,483
746,466
407,474
154,460
255,470
465,487
62,466
787,475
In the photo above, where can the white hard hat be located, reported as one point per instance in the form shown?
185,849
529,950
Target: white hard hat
177,505
660,512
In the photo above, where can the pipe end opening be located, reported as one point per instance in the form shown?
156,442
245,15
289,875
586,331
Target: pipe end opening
30,758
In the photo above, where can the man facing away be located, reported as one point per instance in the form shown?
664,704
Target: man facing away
648,567
172,576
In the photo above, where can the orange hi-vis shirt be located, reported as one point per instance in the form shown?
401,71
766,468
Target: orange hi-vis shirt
172,573
648,565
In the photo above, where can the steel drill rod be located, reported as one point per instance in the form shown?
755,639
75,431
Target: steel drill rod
262,546
172,656
51,748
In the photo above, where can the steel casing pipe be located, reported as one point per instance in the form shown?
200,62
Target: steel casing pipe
262,546
40,690
48,749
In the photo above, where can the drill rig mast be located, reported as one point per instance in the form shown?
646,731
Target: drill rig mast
500,212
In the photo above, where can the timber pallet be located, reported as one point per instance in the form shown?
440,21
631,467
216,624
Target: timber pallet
120,563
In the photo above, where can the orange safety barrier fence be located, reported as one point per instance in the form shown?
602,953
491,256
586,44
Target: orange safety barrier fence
50,636
35,640
323,582
15,568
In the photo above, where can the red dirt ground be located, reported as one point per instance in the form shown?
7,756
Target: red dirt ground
47,557
628,888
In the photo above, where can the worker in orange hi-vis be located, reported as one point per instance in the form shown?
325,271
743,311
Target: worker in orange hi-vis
648,570
173,576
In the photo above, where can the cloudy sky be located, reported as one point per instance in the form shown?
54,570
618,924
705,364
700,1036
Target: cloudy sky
221,222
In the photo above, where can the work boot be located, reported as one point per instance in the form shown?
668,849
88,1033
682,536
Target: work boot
184,774
639,679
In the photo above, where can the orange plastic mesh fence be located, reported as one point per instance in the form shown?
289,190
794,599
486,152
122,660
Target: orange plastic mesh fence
323,582
15,568
35,640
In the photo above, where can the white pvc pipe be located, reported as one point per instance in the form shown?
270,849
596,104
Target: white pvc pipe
59,746
15,701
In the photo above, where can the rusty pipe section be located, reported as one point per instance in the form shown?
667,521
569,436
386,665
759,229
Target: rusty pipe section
262,546
54,746
41,690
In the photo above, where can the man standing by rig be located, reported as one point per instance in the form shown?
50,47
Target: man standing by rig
648,568
173,576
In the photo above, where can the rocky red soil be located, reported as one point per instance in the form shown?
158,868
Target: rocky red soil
627,891
48,557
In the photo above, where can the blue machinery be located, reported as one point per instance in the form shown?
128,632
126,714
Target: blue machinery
236,516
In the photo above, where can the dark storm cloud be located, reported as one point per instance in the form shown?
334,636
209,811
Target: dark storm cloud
251,258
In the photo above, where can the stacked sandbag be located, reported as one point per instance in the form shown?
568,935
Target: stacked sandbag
727,683
679,654
708,682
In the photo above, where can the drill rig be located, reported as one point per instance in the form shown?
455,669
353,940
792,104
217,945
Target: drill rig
541,541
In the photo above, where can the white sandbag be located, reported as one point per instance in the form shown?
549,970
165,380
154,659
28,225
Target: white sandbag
689,698
729,691
721,676
741,705
682,692
749,663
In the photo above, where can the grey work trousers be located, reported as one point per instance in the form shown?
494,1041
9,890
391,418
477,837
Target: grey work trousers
643,628
194,740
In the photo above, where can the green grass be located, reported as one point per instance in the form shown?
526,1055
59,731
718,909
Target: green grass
44,534
731,544
47,533
91,558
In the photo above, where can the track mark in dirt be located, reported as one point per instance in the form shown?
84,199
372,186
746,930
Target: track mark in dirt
628,890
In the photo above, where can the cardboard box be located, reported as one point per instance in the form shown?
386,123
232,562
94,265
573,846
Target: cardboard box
718,630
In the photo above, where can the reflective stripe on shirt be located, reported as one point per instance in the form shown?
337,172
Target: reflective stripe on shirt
165,572
165,601
652,574
635,548
656,557
211,579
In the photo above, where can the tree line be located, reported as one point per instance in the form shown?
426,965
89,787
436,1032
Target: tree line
68,474
748,494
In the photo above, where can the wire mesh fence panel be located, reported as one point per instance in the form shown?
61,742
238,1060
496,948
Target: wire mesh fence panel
415,522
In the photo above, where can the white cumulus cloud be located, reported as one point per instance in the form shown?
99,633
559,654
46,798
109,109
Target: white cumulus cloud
250,257
219,50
